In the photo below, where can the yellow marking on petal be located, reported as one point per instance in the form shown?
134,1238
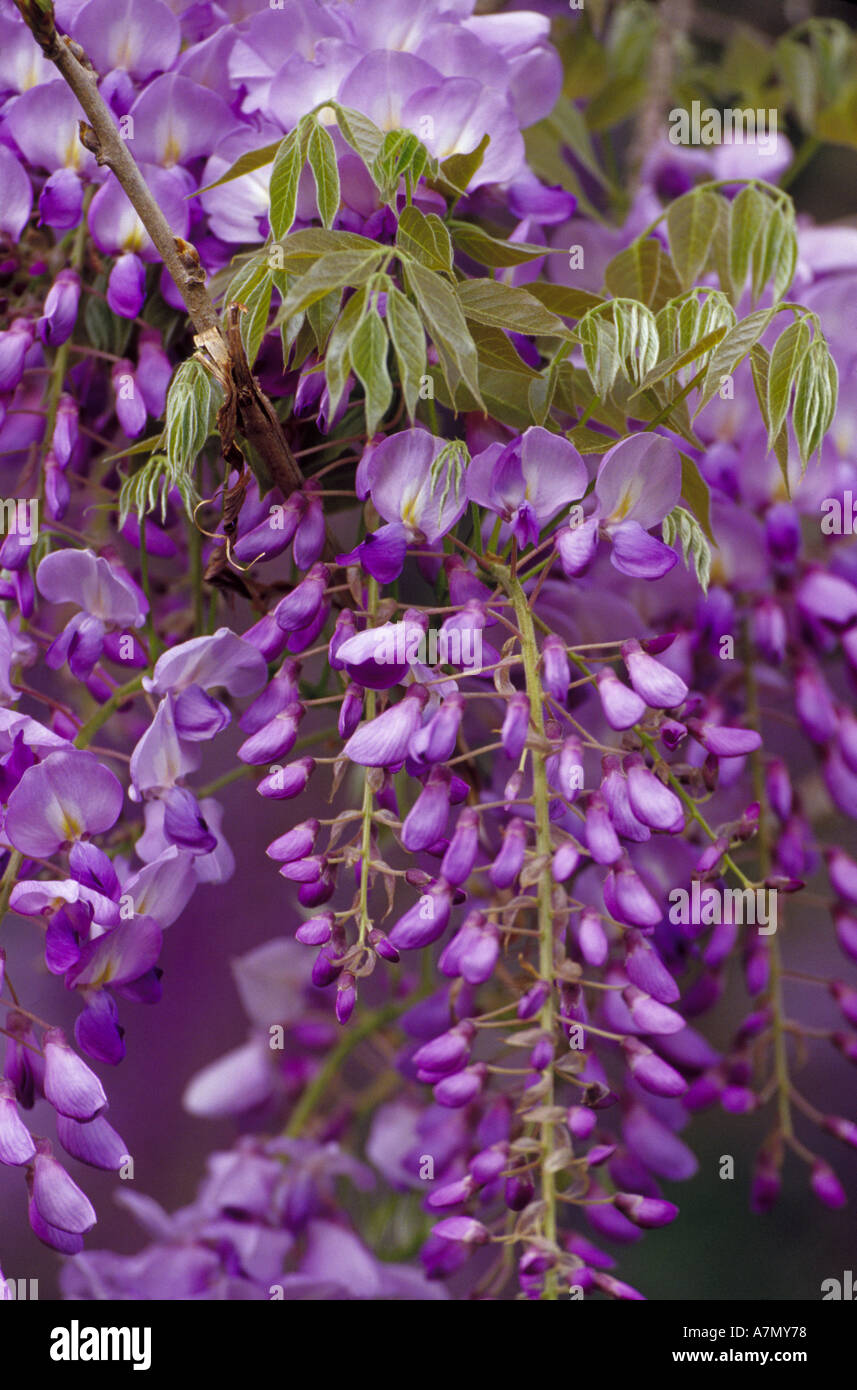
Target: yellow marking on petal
409,516
134,240
124,53
72,829
172,150
624,505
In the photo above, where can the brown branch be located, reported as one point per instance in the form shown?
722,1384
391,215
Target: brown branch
223,354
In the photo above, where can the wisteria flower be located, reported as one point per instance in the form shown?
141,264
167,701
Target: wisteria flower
61,800
106,597
528,481
638,483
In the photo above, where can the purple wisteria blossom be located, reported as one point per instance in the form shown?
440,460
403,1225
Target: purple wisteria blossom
637,485
428,604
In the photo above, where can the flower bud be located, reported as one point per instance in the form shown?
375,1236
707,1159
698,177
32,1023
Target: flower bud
426,821
460,857
647,1212
515,726
126,287
510,859
826,1186
555,669
71,1086
622,707
656,684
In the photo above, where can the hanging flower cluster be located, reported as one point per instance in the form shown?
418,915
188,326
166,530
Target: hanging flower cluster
496,542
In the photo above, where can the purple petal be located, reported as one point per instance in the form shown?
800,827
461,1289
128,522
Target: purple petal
17,200
638,554
58,1199
639,480
126,287
61,799
71,1086
223,659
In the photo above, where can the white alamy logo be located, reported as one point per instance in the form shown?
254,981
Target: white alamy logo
844,1289
708,126
19,516
76,1343
20,1289
710,906
840,517
401,645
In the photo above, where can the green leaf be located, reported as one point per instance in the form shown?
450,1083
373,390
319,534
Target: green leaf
673,364
837,122
540,396
285,175
587,441
98,319
508,307
188,415
401,154
569,124
457,170
330,272
144,489
246,278
312,242
633,274
561,299
637,340
691,220
768,252
409,341
360,133
245,164
337,362
599,341
255,321
617,100
424,238
798,71
368,353
322,315
442,312
759,363
682,525
574,396
694,490
545,158
491,251
786,261
504,394
140,446
815,399
289,328
786,356
251,287
668,282
748,216
731,352
302,341
447,471
497,351
321,154
543,386
658,402
698,313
